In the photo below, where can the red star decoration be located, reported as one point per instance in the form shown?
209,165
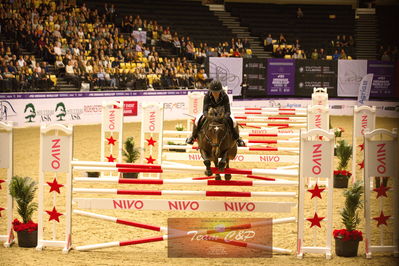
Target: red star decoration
54,215
54,186
1,181
361,164
111,140
382,219
382,191
1,209
110,158
315,220
150,160
361,146
151,141
316,191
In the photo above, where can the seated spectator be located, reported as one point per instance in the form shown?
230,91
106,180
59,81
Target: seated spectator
343,54
385,56
322,54
314,55
336,55
282,39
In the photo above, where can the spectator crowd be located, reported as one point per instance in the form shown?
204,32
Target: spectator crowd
86,46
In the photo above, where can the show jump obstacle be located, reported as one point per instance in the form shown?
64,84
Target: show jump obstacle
55,160
316,161
151,135
111,131
6,163
363,120
381,176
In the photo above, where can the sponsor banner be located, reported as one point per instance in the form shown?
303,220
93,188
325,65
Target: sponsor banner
317,155
336,106
255,76
130,108
316,73
381,158
228,71
383,82
280,77
5,150
220,238
184,156
55,153
364,89
350,73
184,205
33,109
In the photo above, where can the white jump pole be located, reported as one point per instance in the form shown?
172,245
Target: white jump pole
6,162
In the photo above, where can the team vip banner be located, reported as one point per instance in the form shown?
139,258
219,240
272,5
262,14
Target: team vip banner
228,71
316,73
350,74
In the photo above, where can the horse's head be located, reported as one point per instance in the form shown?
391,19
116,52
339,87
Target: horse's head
217,126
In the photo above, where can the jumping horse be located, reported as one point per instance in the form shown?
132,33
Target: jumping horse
215,141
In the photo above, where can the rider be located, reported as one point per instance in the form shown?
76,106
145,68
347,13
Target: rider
213,98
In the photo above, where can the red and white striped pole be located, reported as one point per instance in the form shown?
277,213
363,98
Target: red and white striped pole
125,167
185,193
247,183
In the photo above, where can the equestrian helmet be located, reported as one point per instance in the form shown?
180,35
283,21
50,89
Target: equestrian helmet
215,85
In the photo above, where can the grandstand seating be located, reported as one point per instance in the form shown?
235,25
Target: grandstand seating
320,24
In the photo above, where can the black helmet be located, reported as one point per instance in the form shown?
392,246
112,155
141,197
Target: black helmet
215,85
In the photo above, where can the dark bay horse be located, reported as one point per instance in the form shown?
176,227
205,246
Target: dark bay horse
215,141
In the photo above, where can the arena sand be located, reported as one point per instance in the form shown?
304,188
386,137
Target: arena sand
90,231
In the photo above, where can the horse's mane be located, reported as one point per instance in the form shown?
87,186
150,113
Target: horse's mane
216,114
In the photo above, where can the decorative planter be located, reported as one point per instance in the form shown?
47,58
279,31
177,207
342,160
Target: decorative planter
340,181
27,239
93,174
130,175
346,248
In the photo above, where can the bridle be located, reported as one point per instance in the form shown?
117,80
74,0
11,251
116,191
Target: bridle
208,139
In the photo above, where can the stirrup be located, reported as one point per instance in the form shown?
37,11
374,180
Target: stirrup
190,140
240,143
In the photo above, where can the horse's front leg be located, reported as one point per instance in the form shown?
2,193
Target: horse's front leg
222,163
207,163
227,176
217,176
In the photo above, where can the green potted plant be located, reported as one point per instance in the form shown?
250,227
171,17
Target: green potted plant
347,240
130,153
341,175
23,189
179,127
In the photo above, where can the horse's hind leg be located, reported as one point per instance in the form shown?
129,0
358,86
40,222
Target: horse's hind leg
227,176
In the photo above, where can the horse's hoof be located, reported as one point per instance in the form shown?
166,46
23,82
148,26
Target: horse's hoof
208,172
217,177
227,177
